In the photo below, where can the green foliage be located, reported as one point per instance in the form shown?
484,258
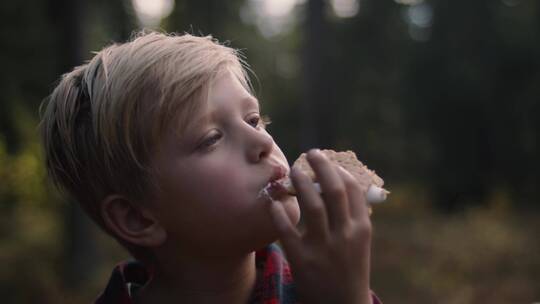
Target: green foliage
30,225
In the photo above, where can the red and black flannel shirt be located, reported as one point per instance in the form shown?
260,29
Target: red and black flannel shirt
275,287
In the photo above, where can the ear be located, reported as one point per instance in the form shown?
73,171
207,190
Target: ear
132,222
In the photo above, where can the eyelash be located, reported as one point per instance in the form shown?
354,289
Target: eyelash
209,142
258,122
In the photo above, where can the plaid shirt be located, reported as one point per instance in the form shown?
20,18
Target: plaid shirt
275,286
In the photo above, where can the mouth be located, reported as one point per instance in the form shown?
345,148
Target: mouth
273,189
278,172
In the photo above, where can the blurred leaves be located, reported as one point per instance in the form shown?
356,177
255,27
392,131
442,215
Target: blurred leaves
488,254
30,225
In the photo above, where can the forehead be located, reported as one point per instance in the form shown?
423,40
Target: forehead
225,92
226,96
228,89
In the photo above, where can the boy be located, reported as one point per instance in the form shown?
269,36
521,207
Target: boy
162,142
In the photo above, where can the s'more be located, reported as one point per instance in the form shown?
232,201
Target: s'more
369,181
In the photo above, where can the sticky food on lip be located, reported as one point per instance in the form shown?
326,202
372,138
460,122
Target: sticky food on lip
272,189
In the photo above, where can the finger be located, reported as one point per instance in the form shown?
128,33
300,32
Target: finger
356,197
332,186
311,205
343,211
288,234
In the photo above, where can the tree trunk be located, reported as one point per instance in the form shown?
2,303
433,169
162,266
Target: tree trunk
80,250
317,125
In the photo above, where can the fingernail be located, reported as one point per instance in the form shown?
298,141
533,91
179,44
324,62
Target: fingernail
314,151
315,155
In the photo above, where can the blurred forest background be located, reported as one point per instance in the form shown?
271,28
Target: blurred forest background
440,97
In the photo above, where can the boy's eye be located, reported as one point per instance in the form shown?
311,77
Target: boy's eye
254,121
259,122
210,141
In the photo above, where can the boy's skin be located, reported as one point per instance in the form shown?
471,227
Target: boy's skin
207,219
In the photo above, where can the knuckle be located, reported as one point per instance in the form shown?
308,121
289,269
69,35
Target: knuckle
315,208
365,228
337,191
347,232
349,179
287,230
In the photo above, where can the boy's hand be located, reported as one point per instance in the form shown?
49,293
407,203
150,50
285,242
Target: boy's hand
331,259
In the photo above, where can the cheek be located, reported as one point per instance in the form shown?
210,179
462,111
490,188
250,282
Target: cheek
223,186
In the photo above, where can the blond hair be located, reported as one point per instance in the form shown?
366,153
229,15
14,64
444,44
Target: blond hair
104,119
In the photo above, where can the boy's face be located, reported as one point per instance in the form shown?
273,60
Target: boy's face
212,175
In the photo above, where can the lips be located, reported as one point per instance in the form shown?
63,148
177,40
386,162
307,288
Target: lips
277,190
278,172
272,189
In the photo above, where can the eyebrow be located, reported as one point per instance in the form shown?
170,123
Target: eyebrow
251,99
247,101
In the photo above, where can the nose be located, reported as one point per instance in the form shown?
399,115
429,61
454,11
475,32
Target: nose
260,146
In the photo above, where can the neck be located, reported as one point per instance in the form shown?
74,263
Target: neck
195,279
